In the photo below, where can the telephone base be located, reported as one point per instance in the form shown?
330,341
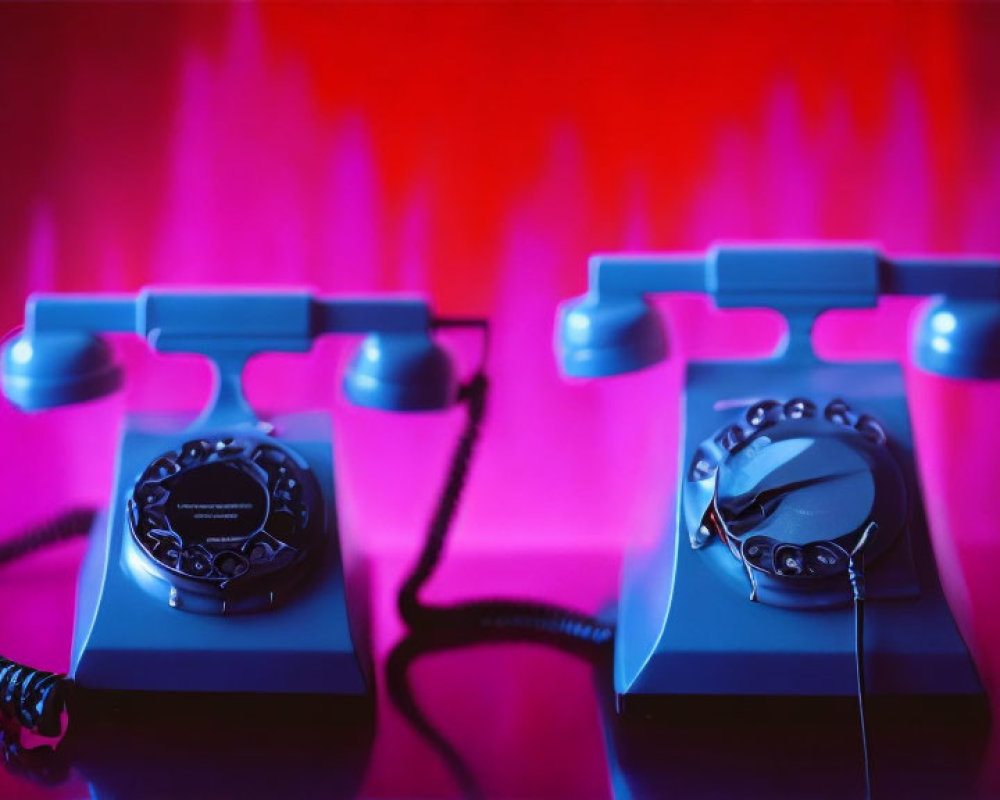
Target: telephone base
687,625
129,639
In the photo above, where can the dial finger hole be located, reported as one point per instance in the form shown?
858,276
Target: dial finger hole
151,493
763,413
730,437
757,549
195,562
799,407
701,466
871,429
823,559
231,564
838,411
163,467
155,518
194,451
789,560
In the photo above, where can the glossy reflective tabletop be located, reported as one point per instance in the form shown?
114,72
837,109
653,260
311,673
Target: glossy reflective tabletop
501,720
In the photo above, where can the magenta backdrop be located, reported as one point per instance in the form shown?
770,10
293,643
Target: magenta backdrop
479,153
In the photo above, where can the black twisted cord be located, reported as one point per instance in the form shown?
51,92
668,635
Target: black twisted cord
32,698
68,525
410,607
512,617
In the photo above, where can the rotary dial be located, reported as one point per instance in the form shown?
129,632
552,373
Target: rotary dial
790,488
227,516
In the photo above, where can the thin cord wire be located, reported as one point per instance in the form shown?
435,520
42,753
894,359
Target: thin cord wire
859,649
856,575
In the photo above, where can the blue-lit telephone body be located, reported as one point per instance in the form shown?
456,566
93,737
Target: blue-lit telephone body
686,625
185,623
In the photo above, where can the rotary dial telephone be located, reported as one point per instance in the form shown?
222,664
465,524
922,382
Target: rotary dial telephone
797,483
217,567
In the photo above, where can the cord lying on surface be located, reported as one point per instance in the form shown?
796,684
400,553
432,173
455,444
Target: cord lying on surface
435,628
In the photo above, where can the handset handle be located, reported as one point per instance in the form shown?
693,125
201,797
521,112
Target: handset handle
613,329
60,358
204,321
973,278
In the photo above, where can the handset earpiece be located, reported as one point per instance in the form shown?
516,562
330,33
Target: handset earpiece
401,372
599,335
959,338
49,369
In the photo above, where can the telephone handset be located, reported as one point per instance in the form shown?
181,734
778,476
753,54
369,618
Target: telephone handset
217,567
802,495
